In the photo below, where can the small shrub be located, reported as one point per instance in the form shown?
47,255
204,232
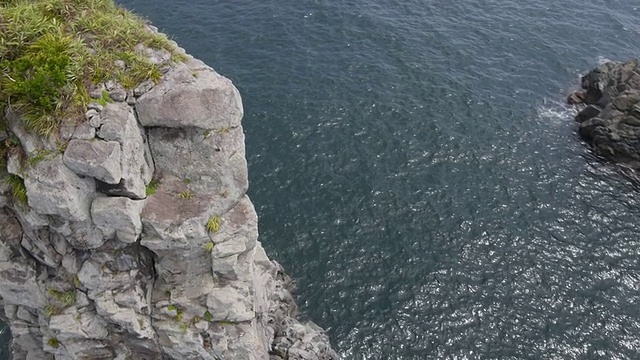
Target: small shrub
213,225
53,342
184,326
171,307
152,187
207,316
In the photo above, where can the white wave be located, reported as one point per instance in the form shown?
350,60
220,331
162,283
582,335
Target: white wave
601,60
556,111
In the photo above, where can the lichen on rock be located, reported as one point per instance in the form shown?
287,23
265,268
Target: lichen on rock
93,265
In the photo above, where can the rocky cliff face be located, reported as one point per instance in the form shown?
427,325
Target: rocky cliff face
611,118
136,239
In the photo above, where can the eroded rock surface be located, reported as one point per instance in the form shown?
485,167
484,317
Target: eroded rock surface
91,267
610,116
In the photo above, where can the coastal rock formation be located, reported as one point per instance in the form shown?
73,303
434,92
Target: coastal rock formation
136,239
610,114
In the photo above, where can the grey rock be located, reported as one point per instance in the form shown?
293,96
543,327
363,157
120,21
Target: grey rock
587,113
91,113
615,130
209,101
143,88
84,131
95,106
97,159
118,94
81,326
119,124
53,189
231,304
95,91
119,216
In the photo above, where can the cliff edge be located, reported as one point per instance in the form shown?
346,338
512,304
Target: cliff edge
126,231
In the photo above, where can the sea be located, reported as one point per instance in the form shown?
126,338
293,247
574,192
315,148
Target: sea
415,169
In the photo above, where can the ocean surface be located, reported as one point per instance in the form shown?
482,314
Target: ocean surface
415,170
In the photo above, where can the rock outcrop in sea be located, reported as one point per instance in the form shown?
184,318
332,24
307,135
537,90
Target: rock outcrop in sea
610,114
137,239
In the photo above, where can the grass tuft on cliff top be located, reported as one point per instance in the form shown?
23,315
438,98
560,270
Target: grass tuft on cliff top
51,51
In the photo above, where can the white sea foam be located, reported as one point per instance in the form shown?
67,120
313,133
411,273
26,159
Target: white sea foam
556,111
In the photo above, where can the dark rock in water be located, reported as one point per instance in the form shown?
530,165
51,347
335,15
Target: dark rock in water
577,97
611,121
587,113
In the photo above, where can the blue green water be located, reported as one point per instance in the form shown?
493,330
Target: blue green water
415,171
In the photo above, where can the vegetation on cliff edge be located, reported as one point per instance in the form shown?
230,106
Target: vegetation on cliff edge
52,51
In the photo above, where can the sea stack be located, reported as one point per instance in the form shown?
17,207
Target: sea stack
126,230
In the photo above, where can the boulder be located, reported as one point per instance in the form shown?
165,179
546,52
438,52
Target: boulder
98,159
208,101
119,216
53,189
611,119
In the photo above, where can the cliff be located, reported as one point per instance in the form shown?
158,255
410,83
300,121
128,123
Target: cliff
610,111
126,231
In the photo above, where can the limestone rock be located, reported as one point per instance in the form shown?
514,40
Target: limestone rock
119,124
97,159
71,326
53,189
208,101
119,216
230,304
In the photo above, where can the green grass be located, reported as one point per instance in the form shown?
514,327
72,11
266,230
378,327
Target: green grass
209,246
152,187
65,297
51,51
213,225
188,195
39,156
18,190
171,308
207,316
104,98
50,310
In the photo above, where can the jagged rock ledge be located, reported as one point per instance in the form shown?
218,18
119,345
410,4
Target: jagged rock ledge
610,111
138,240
